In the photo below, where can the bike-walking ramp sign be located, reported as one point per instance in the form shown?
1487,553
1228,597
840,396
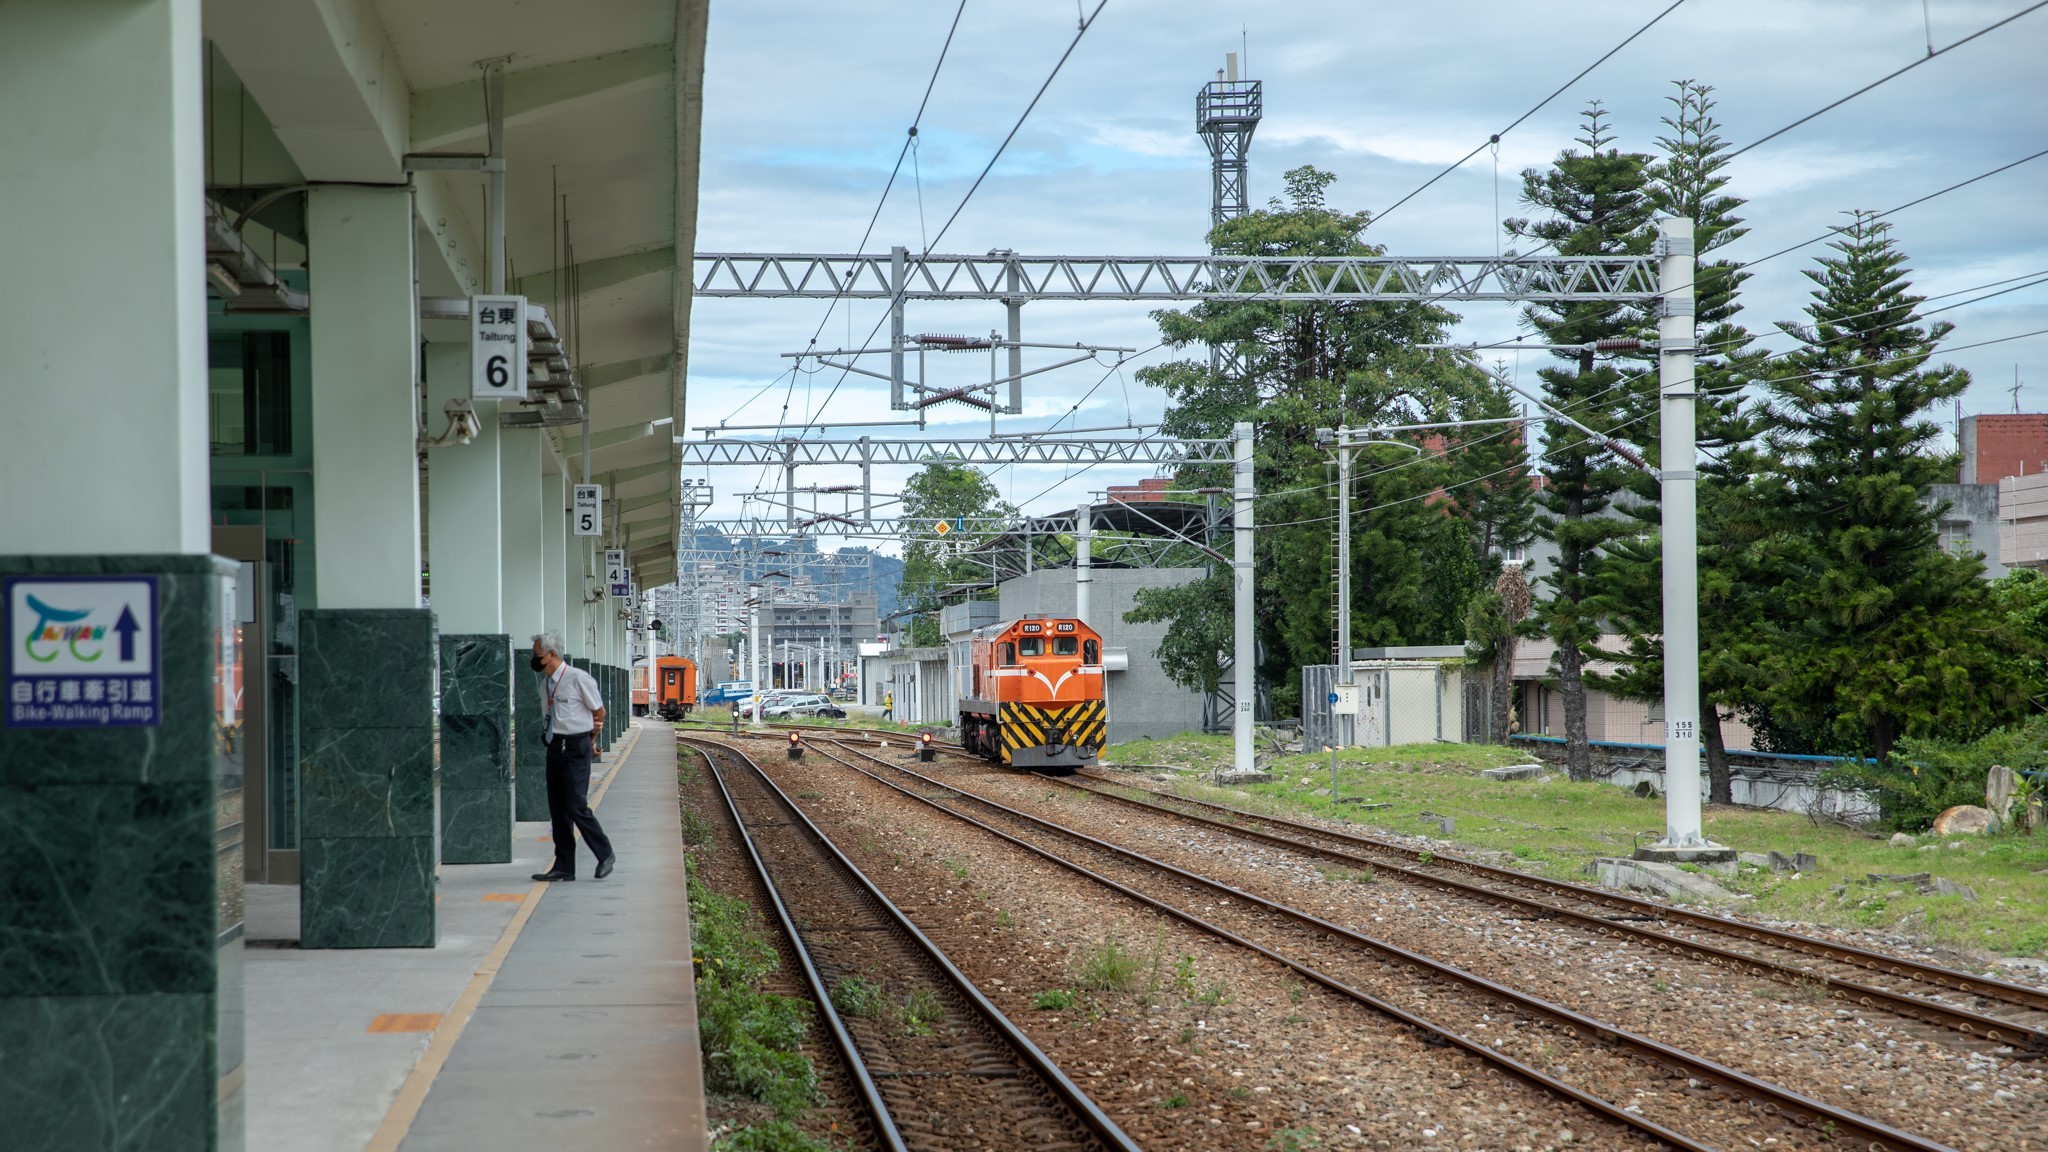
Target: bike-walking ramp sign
82,652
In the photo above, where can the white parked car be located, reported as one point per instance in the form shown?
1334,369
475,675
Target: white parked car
813,704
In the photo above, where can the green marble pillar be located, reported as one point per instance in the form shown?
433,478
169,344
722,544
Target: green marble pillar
369,817
476,749
529,744
119,904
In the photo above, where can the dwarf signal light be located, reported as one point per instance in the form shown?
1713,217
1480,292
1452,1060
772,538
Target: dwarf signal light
796,747
925,751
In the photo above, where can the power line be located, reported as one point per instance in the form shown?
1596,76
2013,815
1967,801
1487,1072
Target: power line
1901,208
1888,77
1495,138
865,344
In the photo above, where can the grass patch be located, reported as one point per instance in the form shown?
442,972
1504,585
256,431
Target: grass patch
1556,827
1003,918
1176,1100
1053,1000
772,1136
957,867
1108,967
696,831
751,1039
853,996
921,1012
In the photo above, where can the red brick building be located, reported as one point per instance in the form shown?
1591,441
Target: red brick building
1996,446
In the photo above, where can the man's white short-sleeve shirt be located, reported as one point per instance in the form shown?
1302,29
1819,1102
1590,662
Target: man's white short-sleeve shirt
573,695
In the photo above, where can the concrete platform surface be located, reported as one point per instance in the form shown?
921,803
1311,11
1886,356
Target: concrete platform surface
336,1038
587,1038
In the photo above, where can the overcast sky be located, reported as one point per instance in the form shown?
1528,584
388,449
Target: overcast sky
806,105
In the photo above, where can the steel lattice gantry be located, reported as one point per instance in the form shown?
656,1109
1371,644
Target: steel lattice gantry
1322,279
791,452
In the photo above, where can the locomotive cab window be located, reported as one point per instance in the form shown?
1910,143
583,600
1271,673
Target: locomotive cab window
1091,652
1009,655
1063,645
1033,646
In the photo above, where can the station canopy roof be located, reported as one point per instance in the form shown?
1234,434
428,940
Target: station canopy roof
603,108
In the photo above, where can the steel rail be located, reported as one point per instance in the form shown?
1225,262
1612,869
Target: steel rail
1799,1110
1969,1023
1069,1093
2016,995
871,1097
1425,1026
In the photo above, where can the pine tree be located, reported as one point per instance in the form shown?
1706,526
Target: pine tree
1689,181
1599,206
1879,634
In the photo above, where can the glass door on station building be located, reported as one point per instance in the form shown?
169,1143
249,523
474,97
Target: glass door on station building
262,509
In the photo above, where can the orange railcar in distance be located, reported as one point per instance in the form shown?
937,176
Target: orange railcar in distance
1037,698
674,689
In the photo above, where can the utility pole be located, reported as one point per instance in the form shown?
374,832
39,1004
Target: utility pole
1084,575
1244,646
1676,331
1343,725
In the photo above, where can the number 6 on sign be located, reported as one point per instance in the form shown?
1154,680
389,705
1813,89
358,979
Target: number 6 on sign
585,519
497,347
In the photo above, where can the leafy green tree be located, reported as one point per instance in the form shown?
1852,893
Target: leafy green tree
1879,633
941,490
1598,204
1301,367
1689,180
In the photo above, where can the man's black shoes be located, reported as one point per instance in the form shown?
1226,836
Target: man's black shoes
563,876
604,866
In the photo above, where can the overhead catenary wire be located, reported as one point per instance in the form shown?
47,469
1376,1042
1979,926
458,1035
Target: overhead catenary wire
1833,232
867,342
1517,122
1887,78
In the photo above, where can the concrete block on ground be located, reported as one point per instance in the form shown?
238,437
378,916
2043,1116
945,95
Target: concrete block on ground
1943,886
1514,772
1252,776
1659,879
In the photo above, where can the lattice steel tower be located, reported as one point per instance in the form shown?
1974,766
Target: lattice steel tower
1226,114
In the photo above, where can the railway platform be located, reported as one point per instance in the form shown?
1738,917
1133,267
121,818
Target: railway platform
548,1016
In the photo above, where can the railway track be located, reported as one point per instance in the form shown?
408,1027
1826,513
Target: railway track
2004,1014
1993,1012
936,1064
1692,1102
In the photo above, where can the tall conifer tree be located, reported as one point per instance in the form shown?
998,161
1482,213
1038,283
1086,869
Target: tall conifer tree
1688,180
1880,634
1598,205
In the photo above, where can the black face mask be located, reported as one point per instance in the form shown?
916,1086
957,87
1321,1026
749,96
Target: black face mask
538,664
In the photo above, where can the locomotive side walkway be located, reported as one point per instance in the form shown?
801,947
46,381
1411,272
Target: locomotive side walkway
549,1016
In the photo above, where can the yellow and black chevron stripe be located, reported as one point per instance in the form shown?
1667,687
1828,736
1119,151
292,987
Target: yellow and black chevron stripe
1080,725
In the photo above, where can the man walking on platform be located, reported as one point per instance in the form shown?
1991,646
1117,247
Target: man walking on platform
573,708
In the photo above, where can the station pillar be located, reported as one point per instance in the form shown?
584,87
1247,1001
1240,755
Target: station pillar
524,580
121,866
465,562
369,821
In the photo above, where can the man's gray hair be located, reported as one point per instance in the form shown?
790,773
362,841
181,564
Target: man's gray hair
549,642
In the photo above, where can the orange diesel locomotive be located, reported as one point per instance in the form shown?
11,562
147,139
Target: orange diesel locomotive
1036,700
675,687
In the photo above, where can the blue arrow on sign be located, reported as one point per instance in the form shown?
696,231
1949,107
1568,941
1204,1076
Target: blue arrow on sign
127,628
1333,697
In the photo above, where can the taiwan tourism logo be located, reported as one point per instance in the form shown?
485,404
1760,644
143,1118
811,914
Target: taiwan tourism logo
82,652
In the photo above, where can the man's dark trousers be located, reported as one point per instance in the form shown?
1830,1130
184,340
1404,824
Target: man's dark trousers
569,801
